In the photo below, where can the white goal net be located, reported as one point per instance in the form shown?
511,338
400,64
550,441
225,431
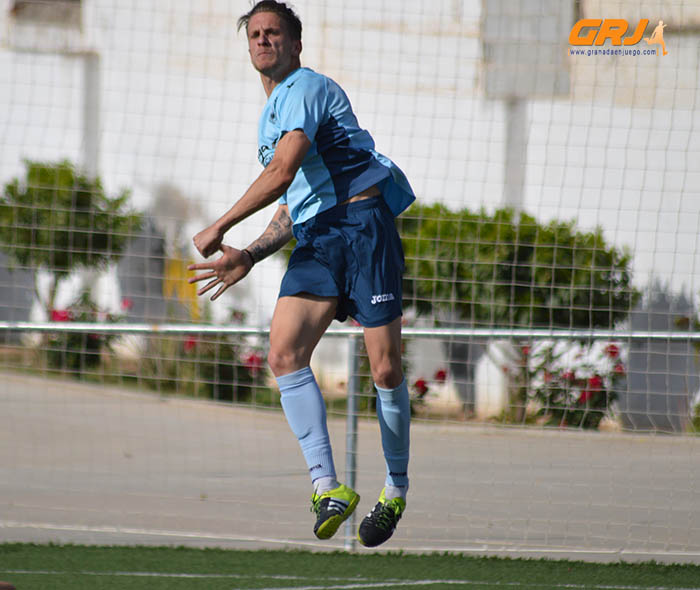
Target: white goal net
550,295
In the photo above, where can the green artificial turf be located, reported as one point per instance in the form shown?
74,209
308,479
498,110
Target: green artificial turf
54,567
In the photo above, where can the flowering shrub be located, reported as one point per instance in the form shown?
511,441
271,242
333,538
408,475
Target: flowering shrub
218,367
76,352
573,385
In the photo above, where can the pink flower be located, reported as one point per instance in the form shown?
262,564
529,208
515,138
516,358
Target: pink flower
525,349
612,350
421,387
547,376
595,383
584,397
190,343
440,375
61,315
619,369
254,363
568,376
127,304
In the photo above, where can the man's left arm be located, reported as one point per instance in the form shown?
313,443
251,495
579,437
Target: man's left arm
233,265
272,183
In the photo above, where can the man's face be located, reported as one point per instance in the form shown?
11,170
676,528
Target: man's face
273,52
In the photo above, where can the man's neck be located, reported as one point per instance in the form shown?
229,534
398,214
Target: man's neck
269,82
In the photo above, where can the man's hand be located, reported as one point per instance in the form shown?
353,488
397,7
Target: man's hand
226,270
208,241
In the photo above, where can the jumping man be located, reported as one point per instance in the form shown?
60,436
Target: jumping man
339,198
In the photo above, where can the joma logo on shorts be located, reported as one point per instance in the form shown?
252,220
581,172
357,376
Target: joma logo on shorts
382,298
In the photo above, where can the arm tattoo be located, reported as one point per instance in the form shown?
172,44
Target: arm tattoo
276,235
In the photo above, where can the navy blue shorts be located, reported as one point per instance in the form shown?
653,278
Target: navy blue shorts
352,252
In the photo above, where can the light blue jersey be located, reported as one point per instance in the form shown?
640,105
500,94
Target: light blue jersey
341,161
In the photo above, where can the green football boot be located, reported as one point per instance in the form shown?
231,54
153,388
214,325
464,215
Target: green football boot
378,526
332,508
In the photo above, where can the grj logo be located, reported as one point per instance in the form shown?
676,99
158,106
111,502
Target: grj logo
596,31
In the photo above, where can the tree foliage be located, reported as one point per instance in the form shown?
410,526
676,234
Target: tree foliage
57,219
502,270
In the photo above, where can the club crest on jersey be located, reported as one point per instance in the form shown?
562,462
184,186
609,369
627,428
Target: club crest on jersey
265,154
382,298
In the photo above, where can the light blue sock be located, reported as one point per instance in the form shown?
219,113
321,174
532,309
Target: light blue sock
305,409
394,413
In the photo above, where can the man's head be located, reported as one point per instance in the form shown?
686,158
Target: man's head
286,14
274,38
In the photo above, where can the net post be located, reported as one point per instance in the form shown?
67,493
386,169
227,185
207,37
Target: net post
351,434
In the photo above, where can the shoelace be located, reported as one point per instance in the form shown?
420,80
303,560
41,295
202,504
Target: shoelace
384,515
316,505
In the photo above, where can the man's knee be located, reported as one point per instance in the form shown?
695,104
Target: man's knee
387,373
283,361
384,349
